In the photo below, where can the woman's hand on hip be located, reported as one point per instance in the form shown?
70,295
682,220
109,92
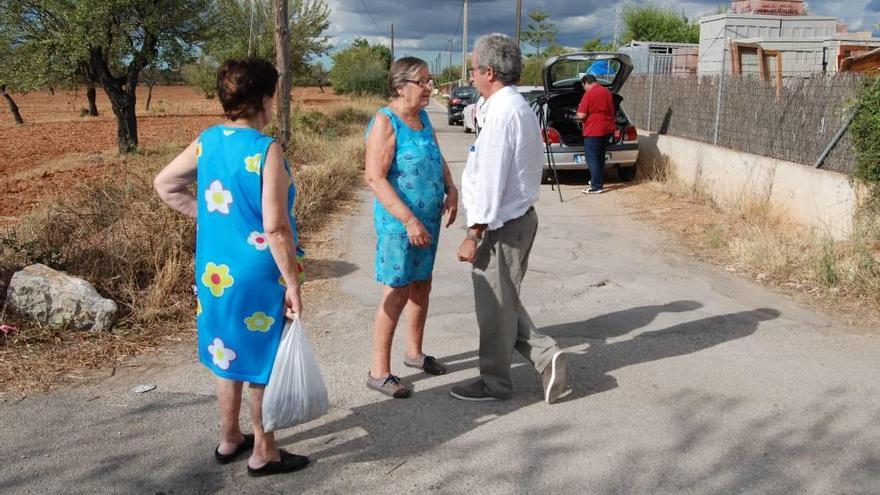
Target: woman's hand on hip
417,233
293,303
450,206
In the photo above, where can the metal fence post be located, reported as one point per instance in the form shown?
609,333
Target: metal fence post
650,90
720,94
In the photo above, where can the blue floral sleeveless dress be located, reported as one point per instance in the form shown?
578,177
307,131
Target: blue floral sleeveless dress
416,174
240,308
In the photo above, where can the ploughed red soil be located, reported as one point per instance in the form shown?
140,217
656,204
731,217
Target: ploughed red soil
56,147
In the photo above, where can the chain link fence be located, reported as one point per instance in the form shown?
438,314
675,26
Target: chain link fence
790,115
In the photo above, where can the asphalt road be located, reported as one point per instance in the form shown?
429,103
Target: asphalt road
686,380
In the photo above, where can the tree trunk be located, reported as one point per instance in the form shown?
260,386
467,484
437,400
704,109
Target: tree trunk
150,94
92,96
282,64
123,104
122,93
13,108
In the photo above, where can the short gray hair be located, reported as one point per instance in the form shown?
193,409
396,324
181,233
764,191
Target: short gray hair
403,70
499,52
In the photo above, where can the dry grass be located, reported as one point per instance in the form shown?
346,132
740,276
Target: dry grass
327,153
842,277
118,235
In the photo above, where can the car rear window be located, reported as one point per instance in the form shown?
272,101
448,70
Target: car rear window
569,72
532,95
463,92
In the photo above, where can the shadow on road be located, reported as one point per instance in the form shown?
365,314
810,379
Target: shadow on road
78,447
592,368
386,430
400,428
320,269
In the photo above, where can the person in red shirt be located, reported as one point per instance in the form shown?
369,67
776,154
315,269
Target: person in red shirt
597,112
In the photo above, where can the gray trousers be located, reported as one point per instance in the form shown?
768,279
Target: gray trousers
501,263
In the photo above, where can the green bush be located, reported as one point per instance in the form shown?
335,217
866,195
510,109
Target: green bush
203,76
866,132
531,74
361,69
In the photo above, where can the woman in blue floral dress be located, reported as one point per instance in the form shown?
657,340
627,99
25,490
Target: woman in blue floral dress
413,189
247,268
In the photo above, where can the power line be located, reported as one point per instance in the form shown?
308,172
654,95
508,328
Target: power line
458,24
367,9
455,33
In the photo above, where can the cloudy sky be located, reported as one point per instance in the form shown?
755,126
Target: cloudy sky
423,27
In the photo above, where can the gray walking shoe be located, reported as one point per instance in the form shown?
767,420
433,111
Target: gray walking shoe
428,364
390,385
474,391
555,380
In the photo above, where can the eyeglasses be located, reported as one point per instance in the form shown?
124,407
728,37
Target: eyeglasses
422,83
470,71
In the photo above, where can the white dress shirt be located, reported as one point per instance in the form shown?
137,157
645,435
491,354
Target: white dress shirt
502,177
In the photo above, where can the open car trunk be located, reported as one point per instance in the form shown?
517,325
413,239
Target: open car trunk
562,116
562,82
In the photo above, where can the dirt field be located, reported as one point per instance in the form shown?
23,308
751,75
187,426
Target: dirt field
57,148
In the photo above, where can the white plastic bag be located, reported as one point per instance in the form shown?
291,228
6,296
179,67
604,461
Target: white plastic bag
296,392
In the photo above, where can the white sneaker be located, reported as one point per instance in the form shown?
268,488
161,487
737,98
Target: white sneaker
555,379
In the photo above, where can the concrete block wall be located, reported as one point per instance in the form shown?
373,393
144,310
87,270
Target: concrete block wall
822,200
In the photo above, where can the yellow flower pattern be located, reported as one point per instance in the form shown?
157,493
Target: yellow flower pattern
252,163
259,322
222,355
217,278
233,275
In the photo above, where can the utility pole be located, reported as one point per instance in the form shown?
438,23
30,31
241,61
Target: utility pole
450,60
618,18
251,30
392,41
518,20
282,65
464,45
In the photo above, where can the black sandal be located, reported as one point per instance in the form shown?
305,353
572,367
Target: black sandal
243,447
288,464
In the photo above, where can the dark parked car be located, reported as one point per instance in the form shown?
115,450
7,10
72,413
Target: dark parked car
564,90
461,97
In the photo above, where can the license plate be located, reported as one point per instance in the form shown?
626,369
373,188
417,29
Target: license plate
581,159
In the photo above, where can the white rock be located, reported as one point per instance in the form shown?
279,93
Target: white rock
56,299
144,388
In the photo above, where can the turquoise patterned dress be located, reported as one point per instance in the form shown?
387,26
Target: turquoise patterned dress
240,309
416,174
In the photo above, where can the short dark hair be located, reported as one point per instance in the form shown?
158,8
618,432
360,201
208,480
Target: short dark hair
588,79
242,84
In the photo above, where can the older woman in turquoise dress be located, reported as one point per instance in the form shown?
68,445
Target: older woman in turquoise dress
413,189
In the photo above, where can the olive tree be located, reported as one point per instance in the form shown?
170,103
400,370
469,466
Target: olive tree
257,28
106,41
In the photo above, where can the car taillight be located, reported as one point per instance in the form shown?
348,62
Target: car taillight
616,135
632,134
551,135
455,101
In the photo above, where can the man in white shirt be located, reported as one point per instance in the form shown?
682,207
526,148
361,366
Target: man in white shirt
500,183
